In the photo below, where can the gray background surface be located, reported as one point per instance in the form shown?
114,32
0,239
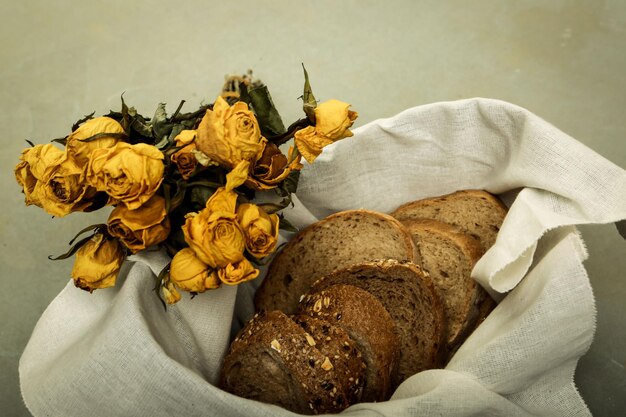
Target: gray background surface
563,60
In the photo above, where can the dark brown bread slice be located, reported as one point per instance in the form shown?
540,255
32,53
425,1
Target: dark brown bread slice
342,353
338,241
449,256
274,360
407,293
371,327
475,212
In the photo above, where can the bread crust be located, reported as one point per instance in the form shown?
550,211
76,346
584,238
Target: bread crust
283,285
479,227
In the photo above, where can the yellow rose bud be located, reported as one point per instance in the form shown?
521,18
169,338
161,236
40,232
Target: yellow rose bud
185,158
272,167
188,272
127,173
97,263
237,273
260,229
138,229
171,294
332,122
215,237
80,150
229,134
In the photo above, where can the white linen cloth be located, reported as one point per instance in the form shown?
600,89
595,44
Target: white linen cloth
116,352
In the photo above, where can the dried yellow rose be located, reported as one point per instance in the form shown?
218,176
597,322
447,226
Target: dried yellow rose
189,273
52,181
80,150
238,272
140,228
35,163
260,228
332,122
97,263
229,134
214,233
127,173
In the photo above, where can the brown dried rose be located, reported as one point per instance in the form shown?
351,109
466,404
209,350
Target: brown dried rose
272,167
185,158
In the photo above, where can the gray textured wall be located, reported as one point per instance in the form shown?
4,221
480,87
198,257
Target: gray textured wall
563,60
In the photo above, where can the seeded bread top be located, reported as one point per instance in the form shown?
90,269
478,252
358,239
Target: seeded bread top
475,212
274,360
336,242
371,327
408,294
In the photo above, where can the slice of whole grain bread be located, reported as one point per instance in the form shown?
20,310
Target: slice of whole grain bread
371,327
407,293
449,255
338,241
274,360
475,212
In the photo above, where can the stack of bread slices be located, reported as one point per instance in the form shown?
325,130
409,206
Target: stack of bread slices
358,302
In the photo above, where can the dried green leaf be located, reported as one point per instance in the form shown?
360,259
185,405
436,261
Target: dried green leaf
290,184
83,120
121,136
161,126
286,225
32,145
309,102
199,195
269,119
95,227
62,141
72,250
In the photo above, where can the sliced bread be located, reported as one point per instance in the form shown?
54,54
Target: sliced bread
336,242
407,293
274,360
475,212
449,256
371,327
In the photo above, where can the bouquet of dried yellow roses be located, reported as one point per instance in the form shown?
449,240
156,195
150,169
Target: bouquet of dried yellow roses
188,182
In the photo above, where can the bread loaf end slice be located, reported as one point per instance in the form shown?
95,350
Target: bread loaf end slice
371,327
475,212
449,255
336,242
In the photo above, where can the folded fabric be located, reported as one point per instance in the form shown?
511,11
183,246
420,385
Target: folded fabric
116,352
